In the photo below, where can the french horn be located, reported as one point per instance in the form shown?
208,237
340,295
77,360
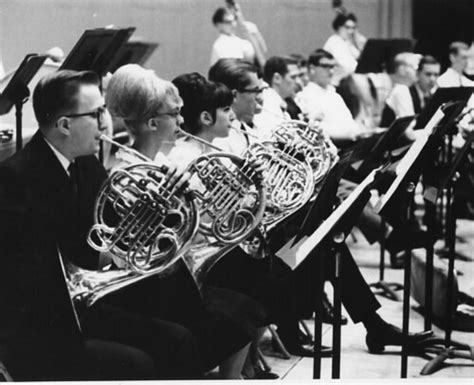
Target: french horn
144,220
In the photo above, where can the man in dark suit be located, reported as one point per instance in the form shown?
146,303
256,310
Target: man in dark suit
47,195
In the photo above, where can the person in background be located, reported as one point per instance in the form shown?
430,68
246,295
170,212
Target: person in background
454,75
407,100
281,74
251,48
320,101
342,45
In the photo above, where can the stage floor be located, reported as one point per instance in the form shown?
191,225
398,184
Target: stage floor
356,362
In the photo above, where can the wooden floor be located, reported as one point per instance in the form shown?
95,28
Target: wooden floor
356,363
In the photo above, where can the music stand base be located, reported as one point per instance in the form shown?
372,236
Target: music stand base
437,347
444,253
387,289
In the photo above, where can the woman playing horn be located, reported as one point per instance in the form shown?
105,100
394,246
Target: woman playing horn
150,108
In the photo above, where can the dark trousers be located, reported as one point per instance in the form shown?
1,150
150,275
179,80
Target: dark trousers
171,346
41,358
357,297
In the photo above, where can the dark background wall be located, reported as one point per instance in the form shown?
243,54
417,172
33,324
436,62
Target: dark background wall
436,23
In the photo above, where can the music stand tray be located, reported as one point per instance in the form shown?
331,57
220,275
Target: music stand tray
96,49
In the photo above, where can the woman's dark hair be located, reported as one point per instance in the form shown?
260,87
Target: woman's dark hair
200,94
219,14
341,19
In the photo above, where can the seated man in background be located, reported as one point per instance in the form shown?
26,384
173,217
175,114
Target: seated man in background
454,75
281,74
407,100
320,101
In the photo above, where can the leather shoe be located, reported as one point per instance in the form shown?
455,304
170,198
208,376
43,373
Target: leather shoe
306,350
388,334
328,313
261,374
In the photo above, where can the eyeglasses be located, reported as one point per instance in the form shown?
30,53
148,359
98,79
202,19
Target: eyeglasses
326,66
172,114
256,90
98,114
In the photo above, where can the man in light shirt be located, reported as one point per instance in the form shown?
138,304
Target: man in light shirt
320,101
281,75
454,75
410,100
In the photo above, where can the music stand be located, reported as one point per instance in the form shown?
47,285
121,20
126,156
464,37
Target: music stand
133,52
330,235
16,93
444,349
378,53
441,96
96,49
399,196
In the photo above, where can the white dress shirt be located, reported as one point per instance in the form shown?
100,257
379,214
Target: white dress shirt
231,46
327,105
401,101
452,78
345,55
273,113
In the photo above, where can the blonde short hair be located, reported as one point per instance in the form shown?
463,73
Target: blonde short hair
136,94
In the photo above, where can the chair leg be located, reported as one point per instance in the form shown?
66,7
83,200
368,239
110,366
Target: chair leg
306,330
277,340
4,375
263,361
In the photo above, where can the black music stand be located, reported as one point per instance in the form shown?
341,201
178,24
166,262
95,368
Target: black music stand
441,96
378,53
446,348
133,52
396,203
330,236
96,50
16,93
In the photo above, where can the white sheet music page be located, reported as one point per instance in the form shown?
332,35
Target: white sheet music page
409,158
294,255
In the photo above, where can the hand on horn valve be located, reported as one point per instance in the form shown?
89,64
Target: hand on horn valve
258,168
177,180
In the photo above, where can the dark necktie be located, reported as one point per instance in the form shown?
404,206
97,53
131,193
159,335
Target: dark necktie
73,177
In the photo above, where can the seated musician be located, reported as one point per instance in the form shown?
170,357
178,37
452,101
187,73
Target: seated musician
407,100
224,322
320,101
357,297
454,76
47,194
280,74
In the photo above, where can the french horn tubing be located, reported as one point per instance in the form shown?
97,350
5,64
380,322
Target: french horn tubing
142,218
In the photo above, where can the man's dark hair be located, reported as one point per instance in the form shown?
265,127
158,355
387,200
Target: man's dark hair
200,94
276,64
317,55
457,46
300,59
219,14
341,19
56,93
234,73
427,60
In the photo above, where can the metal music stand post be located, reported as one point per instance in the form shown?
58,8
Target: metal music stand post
16,93
446,348
402,190
328,239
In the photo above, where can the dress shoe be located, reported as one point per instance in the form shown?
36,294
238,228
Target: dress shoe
388,334
306,350
261,374
328,313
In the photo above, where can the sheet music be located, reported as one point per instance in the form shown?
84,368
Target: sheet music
293,256
410,157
